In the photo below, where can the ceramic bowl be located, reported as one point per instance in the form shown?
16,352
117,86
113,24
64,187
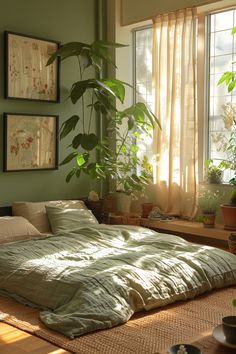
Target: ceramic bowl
190,349
229,328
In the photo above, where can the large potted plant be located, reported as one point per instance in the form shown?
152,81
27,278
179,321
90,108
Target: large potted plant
116,155
229,116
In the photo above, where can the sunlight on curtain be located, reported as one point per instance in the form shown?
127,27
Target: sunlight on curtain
175,145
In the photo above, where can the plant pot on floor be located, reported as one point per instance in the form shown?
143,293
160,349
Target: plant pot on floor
229,215
209,220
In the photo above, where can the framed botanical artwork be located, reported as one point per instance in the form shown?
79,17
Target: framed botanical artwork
26,73
30,142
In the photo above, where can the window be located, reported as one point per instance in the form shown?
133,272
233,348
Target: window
219,105
142,39
222,105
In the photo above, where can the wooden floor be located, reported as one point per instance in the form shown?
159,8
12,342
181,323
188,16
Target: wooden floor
14,341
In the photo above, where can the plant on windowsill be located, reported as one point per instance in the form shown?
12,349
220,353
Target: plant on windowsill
116,155
208,203
213,173
229,116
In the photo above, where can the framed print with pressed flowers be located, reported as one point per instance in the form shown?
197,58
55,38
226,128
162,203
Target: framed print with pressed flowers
26,73
30,142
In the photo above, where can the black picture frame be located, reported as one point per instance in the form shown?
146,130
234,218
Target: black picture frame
30,142
26,74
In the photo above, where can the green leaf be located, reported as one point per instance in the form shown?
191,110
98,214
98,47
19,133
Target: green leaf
68,126
234,300
85,58
101,52
131,123
233,30
105,100
70,175
77,141
231,86
68,50
70,157
89,141
110,44
77,91
52,58
78,172
82,159
226,77
117,88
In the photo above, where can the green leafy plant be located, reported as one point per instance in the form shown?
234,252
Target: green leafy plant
209,202
234,302
115,156
213,173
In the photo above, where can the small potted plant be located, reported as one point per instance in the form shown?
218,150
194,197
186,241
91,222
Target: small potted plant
214,173
208,203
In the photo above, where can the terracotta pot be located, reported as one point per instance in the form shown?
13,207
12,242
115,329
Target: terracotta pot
146,209
229,215
209,220
232,243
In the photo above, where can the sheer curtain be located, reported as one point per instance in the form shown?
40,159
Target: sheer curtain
175,146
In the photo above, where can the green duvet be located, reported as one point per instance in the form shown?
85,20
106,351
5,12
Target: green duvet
96,278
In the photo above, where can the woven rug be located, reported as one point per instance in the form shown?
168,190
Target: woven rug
146,333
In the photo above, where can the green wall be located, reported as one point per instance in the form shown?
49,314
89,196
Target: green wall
65,21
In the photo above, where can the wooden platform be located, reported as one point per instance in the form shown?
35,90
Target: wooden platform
192,231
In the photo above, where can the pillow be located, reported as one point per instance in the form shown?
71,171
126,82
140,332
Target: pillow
15,228
62,219
35,212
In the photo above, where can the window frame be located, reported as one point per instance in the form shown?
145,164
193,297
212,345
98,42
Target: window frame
203,84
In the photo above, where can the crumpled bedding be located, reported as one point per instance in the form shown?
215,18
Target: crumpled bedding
97,277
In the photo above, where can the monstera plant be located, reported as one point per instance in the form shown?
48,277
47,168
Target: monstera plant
116,155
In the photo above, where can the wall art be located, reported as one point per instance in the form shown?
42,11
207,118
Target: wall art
30,142
26,73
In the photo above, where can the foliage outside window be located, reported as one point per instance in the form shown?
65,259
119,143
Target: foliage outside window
222,99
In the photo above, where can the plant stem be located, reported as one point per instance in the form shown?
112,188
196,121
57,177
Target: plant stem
90,118
81,77
122,143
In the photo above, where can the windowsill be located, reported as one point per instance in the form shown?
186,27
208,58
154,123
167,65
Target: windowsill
188,228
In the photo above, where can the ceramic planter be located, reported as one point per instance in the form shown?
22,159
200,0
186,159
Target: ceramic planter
229,215
123,202
209,220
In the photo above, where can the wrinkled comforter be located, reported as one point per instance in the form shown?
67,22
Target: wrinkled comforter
96,278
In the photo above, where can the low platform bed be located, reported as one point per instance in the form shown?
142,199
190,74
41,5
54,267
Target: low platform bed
89,276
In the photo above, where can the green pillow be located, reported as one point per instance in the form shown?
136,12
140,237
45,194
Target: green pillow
62,219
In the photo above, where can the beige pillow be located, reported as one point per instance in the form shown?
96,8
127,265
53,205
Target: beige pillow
35,212
15,228
63,219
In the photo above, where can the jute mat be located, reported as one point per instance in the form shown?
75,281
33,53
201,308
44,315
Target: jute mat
146,333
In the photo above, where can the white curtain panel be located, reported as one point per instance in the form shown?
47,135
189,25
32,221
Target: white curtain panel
175,146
